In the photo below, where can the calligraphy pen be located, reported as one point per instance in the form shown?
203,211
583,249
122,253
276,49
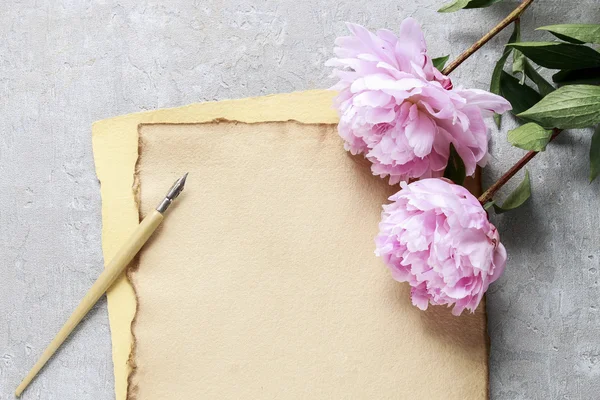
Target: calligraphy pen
112,271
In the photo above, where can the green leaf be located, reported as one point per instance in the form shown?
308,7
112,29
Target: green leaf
519,65
460,4
487,205
521,97
542,84
517,197
495,83
557,55
497,74
440,62
454,6
572,106
568,39
589,76
519,59
595,155
481,3
530,136
575,33
455,170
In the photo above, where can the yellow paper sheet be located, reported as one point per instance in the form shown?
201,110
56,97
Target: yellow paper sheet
450,352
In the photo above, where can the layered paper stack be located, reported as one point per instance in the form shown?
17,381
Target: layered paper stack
262,283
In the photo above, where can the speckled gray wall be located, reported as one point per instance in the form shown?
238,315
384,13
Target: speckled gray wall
65,64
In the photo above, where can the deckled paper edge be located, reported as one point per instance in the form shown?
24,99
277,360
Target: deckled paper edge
115,145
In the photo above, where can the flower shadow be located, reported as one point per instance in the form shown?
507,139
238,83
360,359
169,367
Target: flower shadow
523,228
466,331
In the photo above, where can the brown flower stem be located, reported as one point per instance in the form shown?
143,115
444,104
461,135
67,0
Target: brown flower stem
489,194
486,38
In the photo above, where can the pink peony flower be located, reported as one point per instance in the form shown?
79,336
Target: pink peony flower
402,113
436,236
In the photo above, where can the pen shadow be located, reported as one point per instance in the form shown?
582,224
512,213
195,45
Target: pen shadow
83,325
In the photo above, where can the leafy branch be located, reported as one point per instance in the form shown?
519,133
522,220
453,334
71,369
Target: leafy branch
543,109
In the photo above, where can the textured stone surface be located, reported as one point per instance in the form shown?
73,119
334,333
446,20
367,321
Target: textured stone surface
65,64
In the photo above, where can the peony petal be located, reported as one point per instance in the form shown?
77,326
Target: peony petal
499,262
379,115
420,133
373,43
420,298
486,101
412,39
371,99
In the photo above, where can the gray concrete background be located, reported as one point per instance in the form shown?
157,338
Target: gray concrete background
65,64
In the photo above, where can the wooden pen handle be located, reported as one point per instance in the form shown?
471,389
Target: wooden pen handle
111,272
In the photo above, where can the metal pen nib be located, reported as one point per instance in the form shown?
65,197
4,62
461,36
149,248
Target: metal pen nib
175,190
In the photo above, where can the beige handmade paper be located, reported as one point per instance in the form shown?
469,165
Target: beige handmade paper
262,281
